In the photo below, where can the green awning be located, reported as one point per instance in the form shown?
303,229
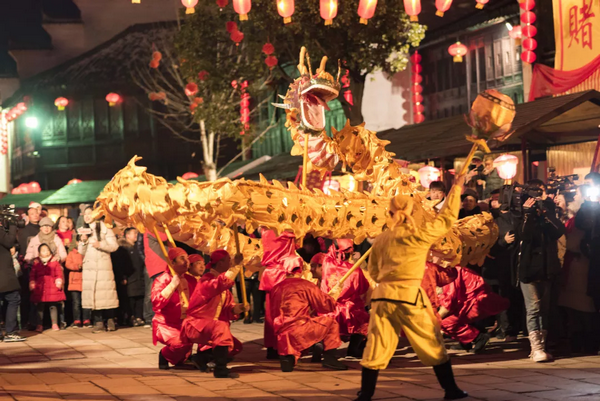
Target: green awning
227,170
23,200
83,192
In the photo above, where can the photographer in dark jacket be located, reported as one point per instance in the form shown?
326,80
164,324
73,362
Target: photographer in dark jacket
588,220
9,284
538,231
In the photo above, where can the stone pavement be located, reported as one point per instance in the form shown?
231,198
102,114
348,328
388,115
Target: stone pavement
79,365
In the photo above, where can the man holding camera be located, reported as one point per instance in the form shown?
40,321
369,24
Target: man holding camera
539,231
9,284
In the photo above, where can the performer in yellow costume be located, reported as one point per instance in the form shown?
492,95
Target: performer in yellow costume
397,264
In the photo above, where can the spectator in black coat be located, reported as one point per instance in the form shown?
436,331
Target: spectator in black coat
9,284
469,204
28,313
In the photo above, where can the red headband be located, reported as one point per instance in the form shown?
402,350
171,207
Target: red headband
176,252
216,257
292,263
194,257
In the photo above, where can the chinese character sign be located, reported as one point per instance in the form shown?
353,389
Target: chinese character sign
577,32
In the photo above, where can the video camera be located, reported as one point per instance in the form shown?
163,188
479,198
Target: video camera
8,216
564,185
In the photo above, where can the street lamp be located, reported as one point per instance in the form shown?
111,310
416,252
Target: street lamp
31,122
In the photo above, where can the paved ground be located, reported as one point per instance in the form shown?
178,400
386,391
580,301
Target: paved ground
78,365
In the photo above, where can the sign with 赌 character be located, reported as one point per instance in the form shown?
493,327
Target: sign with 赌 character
577,33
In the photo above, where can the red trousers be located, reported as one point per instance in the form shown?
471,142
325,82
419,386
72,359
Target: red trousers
174,351
270,339
296,338
459,326
211,333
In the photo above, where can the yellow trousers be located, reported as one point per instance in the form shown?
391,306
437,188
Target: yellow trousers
416,320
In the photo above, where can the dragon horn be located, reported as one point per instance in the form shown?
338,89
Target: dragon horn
339,70
308,63
301,66
282,105
322,66
281,97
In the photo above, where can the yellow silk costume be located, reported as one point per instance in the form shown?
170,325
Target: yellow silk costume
397,264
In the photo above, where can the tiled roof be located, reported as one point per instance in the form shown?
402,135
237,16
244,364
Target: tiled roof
84,192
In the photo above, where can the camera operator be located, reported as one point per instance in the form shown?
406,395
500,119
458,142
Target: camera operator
539,231
9,284
588,220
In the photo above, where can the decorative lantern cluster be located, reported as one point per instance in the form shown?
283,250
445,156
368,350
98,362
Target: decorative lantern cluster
457,50
153,96
515,33
271,61
74,181
244,105
346,87
16,111
412,9
189,6
61,103
286,9
528,30
366,10
242,7
428,174
31,188
481,3
234,33
328,9
3,134
156,57
417,89
113,98
442,6
506,165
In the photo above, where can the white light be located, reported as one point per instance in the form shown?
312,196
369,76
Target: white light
509,26
31,122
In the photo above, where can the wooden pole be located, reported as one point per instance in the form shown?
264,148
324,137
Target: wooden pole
182,295
169,237
236,236
352,270
305,161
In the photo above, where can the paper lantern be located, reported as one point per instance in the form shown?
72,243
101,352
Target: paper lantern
113,98
21,107
202,75
237,37
329,9
417,89
366,10
516,32
527,5
416,68
271,62
189,6
529,31
231,26
416,58
442,6
61,103
268,49
418,118
529,44
457,50
33,187
428,174
74,181
191,89
285,8
528,17
242,7
528,57
413,9
154,64
481,3
417,79
417,98
189,175
222,3
506,165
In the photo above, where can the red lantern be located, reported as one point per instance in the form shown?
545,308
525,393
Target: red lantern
416,68
22,107
418,118
516,32
198,100
529,31
189,175
527,5
231,26
528,57
329,9
242,7
61,103
528,17
413,8
419,108
222,3
74,181
191,89
506,165
113,98
457,50
202,75
154,64
417,98
417,79
530,44
285,8
481,3
416,58
417,89
189,6
157,56
268,49
442,6
33,187
271,62
237,37
366,10
428,174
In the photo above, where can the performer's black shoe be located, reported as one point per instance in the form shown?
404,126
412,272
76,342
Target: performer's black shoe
163,364
317,353
272,353
356,346
248,320
331,361
201,359
221,371
480,342
287,362
445,376
367,386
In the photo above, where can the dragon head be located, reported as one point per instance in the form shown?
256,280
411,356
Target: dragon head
306,99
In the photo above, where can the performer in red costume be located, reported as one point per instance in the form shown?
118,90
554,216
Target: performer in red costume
436,276
274,250
350,311
169,311
302,318
466,300
210,311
